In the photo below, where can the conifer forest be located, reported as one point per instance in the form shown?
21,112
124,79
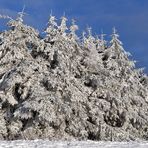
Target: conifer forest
62,86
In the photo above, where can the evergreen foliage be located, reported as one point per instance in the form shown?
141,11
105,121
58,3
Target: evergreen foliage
59,87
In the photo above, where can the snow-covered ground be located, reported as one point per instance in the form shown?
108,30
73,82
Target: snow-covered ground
72,144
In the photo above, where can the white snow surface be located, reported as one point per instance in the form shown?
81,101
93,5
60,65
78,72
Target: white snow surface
70,144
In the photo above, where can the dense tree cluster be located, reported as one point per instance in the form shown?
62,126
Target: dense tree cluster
65,87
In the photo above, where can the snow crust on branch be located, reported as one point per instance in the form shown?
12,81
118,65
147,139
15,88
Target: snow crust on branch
62,86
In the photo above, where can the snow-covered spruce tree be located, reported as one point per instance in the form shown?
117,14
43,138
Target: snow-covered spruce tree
63,26
15,53
115,57
90,52
51,30
60,88
73,28
89,41
101,43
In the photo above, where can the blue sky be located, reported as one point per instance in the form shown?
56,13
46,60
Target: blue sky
128,16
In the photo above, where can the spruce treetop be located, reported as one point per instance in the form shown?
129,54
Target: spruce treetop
21,15
102,42
115,41
63,26
73,29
